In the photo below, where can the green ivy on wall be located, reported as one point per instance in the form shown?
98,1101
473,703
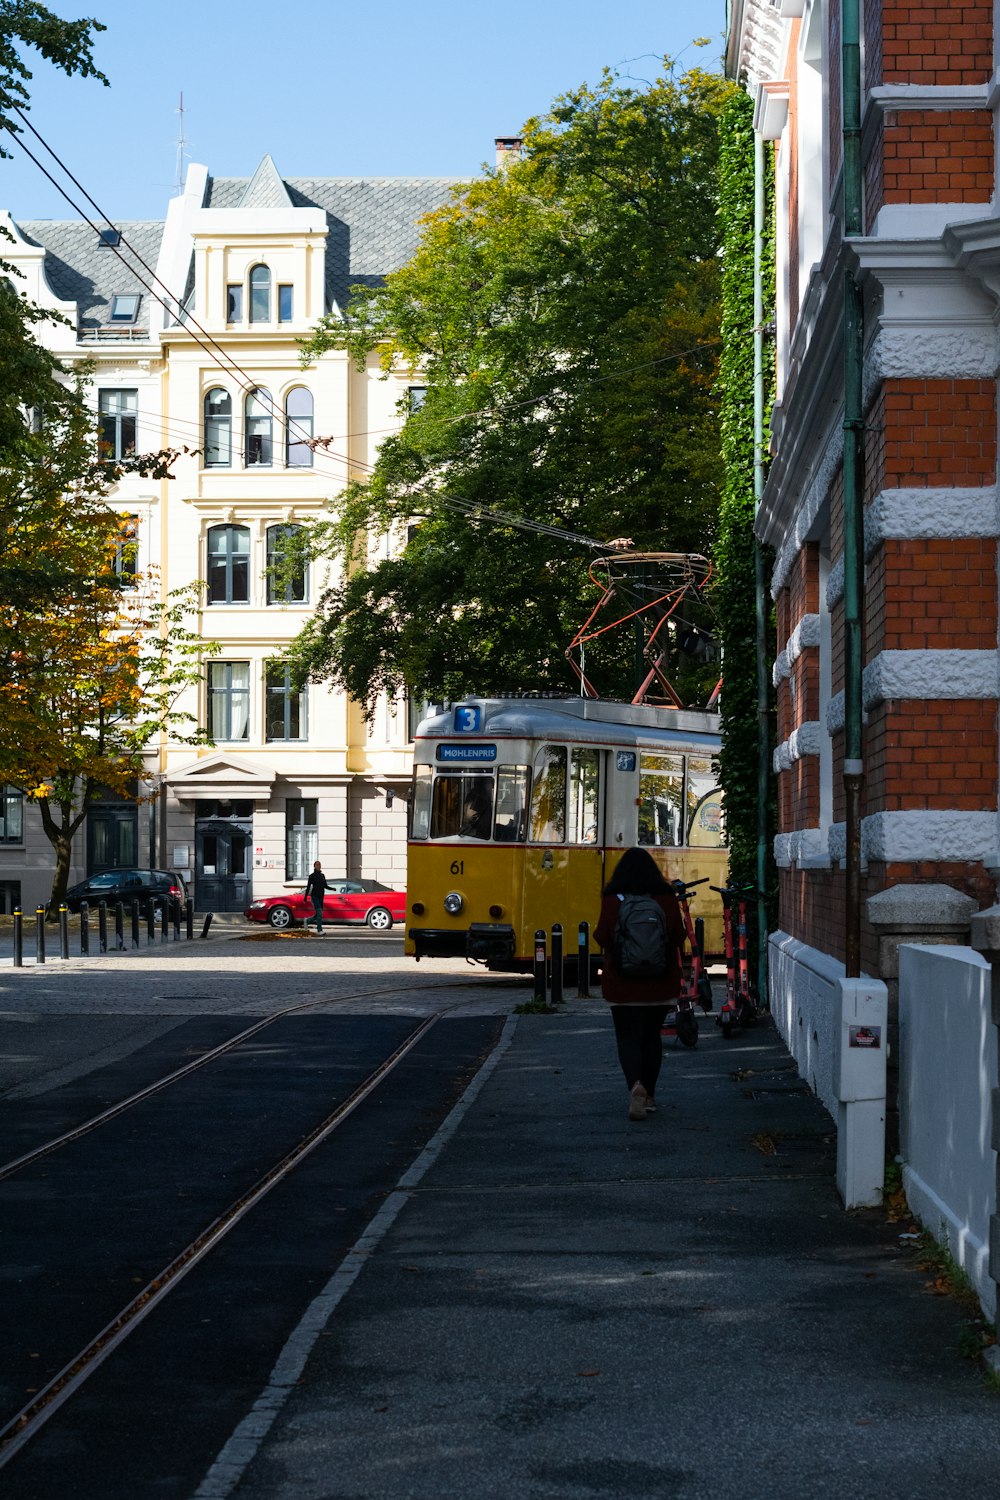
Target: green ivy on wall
734,553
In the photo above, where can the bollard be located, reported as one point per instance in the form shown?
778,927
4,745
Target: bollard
102,926
39,934
164,920
189,919
84,929
176,914
18,938
557,964
63,932
583,961
208,923
119,926
540,965
135,924
150,920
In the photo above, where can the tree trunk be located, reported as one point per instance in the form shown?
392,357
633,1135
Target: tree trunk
60,836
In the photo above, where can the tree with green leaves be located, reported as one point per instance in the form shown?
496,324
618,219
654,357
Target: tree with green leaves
562,314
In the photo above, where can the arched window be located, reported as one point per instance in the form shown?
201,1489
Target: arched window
260,295
298,428
286,566
218,429
258,427
229,565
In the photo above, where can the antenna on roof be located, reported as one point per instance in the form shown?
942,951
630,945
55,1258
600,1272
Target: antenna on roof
180,148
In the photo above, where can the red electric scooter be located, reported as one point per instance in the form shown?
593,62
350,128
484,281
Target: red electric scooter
696,987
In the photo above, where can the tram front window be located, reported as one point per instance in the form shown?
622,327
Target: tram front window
511,819
420,802
462,807
548,802
661,778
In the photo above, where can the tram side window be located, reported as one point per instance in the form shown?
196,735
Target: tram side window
548,802
420,802
706,823
584,778
511,819
661,780
462,807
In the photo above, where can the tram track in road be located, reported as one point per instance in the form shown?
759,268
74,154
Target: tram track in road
90,1355
28,1158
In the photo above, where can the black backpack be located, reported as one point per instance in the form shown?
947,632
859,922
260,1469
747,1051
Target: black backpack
641,946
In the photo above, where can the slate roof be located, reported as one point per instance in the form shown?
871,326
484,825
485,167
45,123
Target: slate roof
372,223
80,270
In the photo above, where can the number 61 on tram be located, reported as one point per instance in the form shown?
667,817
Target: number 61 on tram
522,806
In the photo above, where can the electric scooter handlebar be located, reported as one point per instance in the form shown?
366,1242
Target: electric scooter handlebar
688,885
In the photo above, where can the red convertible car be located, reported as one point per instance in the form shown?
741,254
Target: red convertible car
345,901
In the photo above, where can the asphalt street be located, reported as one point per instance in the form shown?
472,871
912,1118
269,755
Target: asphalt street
554,1302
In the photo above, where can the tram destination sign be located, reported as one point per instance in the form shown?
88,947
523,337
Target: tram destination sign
465,751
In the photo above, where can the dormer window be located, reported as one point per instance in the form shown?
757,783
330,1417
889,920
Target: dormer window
124,309
108,239
260,295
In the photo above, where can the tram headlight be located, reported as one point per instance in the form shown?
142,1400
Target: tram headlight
453,903
417,908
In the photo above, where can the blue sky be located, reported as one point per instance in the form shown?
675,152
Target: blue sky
390,88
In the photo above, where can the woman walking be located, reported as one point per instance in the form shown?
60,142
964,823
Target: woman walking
639,1004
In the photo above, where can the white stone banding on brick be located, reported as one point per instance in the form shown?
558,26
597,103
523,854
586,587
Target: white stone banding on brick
947,514
804,845
921,834
922,676
835,583
931,352
801,742
806,633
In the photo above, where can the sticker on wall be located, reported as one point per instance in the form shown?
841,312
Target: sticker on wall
864,1036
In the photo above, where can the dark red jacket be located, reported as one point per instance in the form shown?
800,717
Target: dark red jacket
619,991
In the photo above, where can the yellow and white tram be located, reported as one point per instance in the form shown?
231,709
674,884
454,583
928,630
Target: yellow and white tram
522,806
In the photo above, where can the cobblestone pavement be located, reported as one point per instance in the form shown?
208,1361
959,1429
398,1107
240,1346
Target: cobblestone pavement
252,974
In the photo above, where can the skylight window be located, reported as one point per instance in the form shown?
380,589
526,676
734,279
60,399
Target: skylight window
124,309
108,239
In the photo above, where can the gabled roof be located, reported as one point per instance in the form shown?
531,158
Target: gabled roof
265,188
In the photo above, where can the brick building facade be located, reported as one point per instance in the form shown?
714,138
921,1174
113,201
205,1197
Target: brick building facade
929,264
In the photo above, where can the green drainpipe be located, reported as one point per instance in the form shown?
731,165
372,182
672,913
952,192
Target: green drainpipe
853,483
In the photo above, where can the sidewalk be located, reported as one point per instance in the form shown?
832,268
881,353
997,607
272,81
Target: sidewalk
572,1307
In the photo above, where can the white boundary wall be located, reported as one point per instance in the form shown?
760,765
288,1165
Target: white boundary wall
947,1070
805,1004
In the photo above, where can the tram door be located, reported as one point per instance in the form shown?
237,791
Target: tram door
222,847
563,870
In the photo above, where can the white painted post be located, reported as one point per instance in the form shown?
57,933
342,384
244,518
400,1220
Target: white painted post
859,1086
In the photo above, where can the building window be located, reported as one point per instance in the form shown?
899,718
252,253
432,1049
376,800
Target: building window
298,428
258,428
286,567
218,429
260,295
234,302
108,239
301,837
127,548
416,395
124,309
229,565
229,700
117,416
11,815
286,303
285,708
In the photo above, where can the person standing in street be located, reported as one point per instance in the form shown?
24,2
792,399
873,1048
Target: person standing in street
316,891
641,970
